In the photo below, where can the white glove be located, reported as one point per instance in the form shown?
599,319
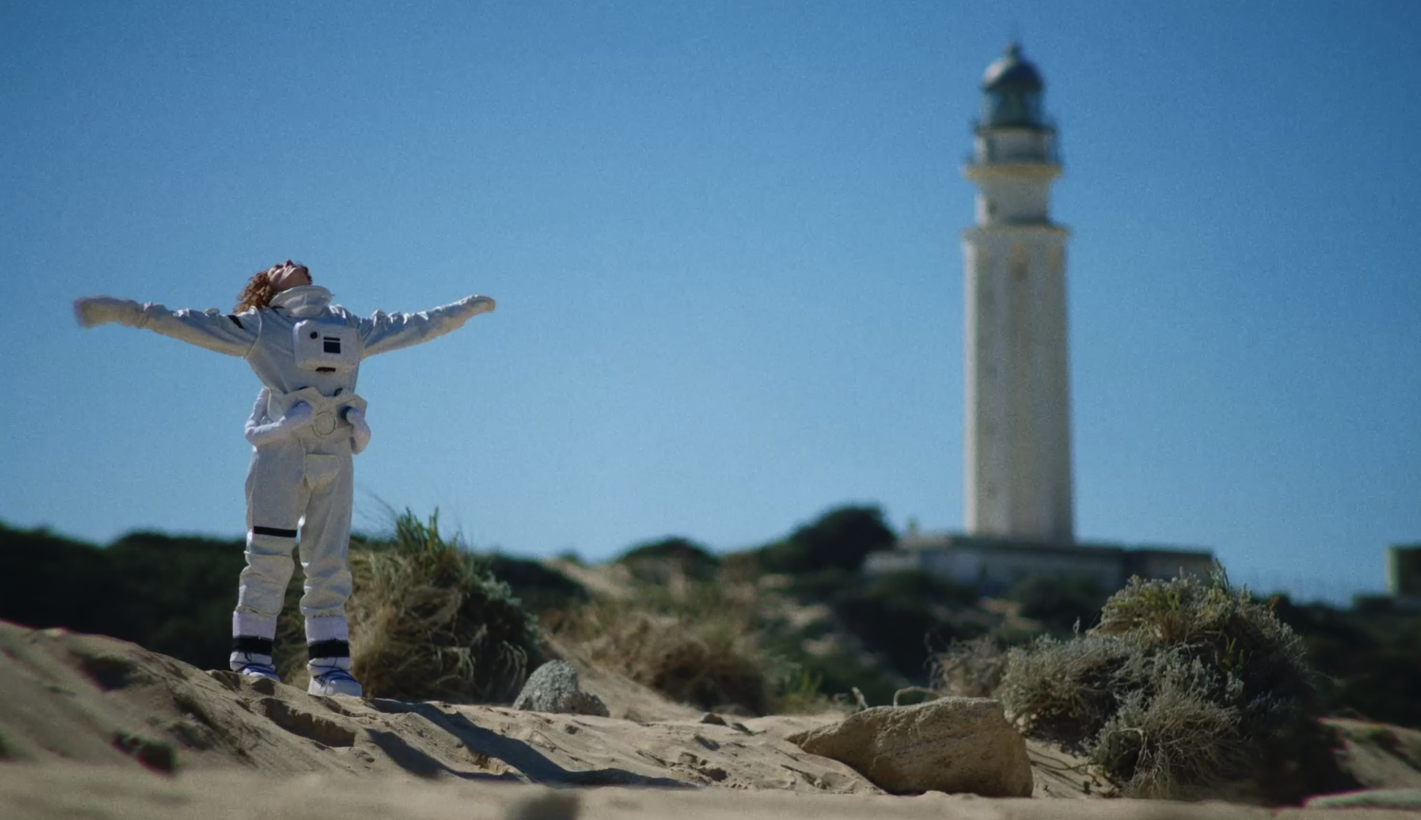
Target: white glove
361,436
101,310
282,429
483,304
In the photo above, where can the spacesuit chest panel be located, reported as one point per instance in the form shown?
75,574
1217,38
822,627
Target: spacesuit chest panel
325,346
274,357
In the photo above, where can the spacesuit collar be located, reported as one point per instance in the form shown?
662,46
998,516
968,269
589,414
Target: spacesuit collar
302,302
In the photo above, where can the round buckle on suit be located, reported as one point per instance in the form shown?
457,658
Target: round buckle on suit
324,423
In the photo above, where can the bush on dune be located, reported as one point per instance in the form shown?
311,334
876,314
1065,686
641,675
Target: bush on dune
732,640
427,621
1184,683
971,669
713,631
708,664
694,641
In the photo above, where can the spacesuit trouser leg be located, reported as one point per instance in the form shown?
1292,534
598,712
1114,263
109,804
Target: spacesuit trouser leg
325,545
276,496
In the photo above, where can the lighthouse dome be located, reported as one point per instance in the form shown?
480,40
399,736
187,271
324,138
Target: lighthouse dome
1011,72
1011,94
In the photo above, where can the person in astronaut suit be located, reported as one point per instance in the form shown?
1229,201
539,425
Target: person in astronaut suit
307,424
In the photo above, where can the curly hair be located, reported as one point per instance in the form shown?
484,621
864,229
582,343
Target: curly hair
258,291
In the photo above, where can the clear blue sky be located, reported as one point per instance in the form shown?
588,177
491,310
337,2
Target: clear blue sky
724,240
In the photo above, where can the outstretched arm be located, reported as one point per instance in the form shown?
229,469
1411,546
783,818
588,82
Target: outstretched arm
230,334
384,332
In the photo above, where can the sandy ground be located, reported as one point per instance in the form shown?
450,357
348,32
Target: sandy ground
64,790
95,727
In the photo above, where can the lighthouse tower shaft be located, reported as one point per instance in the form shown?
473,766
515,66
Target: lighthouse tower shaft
1018,427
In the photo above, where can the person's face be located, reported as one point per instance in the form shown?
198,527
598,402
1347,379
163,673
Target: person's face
290,276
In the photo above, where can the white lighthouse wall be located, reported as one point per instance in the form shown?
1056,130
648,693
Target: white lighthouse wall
1018,478
1009,146
1056,383
1008,202
988,477
974,259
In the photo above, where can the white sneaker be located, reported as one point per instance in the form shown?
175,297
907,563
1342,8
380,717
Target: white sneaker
259,670
335,681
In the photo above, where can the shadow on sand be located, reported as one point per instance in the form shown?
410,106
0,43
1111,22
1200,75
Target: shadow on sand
533,765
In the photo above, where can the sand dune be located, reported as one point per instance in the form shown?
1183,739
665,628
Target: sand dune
95,727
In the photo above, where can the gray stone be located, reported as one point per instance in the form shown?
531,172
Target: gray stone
553,687
950,745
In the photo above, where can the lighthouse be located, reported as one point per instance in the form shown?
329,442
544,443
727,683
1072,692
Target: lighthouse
1020,516
1018,416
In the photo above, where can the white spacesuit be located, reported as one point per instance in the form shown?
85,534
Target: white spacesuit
308,422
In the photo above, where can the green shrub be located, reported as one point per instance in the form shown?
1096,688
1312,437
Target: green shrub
1261,663
1064,690
1184,683
428,622
1370,659
1170,731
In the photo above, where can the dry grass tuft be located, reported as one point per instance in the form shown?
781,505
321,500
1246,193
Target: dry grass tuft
426,622
1170,731
971,669
1064,691
694,642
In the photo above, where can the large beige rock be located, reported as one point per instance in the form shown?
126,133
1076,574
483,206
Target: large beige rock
947,745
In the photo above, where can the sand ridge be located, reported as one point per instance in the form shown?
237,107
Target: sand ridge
96,726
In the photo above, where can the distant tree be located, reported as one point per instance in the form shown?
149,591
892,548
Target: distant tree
1370,659
170,594
838,539
48,580
178,593
905,617
651,560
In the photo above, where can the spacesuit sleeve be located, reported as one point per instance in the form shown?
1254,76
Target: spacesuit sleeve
233,335
383,332
258,417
